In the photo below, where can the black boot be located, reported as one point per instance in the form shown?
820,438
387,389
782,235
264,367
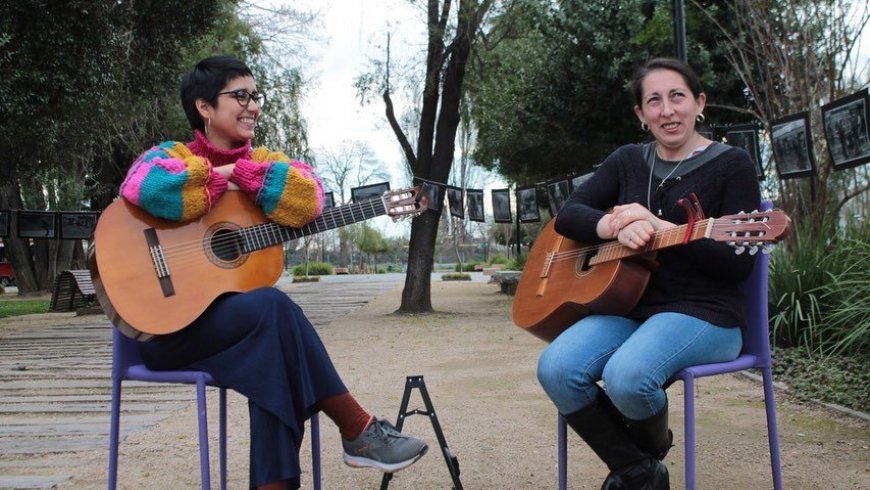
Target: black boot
652,434
631,468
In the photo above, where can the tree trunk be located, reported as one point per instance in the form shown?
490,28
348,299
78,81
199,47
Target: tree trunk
437,136
416,295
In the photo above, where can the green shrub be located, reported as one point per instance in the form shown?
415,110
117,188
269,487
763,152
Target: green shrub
517,263
456,277
819,294
498,259
306,278
467,266
314,269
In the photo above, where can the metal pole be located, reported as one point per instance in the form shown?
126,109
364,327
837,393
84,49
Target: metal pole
680,30
517,199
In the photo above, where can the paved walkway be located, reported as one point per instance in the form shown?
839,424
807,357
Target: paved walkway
55,385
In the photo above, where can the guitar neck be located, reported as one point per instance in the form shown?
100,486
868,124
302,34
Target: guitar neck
661,239
265,235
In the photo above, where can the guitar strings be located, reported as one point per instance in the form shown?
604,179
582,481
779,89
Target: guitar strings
183,252
605,250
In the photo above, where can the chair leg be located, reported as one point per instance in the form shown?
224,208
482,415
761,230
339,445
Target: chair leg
203,435
562,449
689,430
772,432
223,437
114,428
315,451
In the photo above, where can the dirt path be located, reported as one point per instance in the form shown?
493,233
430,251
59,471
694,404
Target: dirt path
479,371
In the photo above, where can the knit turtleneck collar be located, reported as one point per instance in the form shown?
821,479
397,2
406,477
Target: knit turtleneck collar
201,146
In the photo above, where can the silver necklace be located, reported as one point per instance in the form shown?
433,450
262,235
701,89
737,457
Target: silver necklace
652,167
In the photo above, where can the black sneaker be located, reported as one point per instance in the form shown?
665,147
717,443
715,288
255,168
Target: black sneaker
383,447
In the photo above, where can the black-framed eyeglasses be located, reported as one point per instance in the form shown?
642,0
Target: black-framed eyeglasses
243,97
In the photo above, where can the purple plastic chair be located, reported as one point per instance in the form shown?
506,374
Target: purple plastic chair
755,355
127,364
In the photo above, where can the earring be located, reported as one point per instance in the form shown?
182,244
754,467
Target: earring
644,126
207,124
700,117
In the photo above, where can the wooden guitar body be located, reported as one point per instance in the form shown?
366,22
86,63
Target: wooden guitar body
565,280
547,301
155,277
201,268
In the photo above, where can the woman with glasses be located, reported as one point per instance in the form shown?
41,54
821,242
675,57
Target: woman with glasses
258,343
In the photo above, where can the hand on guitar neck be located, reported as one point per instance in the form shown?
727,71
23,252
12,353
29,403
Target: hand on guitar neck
631,224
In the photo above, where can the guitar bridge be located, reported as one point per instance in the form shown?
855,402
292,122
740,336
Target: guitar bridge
545,271
161,267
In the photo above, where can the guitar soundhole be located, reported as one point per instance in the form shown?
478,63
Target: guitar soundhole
583,262
225,247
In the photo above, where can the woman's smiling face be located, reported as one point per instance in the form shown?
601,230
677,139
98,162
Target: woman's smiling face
229,123
669,108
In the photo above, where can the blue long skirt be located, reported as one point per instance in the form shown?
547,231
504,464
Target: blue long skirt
261,345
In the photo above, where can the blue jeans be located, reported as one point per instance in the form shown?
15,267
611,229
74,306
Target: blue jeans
634,359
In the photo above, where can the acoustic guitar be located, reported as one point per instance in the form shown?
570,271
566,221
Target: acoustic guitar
154,277
565,280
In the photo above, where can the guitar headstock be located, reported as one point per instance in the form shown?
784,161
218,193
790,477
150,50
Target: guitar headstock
751,229
402,203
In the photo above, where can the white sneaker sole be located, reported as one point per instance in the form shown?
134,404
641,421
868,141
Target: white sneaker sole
361,462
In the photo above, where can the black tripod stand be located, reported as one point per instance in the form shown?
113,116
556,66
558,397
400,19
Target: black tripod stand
452,463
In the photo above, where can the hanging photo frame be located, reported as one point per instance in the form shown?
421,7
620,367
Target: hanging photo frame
434,192
474,202
578,179
4,224
745,136
847,131
37,224
792,146
77,226
527,204
501,205
369,192
454,200
557,193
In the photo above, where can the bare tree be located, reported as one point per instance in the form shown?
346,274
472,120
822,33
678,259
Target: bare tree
451,36
795,56
352,164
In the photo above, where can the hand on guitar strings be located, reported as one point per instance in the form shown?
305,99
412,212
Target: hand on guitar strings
633,225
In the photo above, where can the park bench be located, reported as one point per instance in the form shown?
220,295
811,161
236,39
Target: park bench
507,280
73,290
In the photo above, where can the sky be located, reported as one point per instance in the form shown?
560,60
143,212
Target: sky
353,32
351,29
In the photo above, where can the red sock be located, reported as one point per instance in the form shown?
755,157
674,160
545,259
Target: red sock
348,415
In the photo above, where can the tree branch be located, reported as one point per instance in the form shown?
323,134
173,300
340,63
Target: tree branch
400,135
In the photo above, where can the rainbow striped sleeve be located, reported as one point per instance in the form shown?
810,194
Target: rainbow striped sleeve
170,182
289,192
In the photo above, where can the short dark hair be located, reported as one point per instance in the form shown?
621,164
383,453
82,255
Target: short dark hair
206,79
689,76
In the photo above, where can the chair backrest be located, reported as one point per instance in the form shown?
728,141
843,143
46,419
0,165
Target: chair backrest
125,353
756,333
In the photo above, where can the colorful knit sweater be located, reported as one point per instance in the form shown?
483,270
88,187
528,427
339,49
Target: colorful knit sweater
178,182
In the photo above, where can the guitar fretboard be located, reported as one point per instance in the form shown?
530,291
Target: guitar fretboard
268,234
661,239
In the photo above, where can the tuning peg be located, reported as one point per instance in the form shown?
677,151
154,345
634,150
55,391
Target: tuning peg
766,248
753,250
739,250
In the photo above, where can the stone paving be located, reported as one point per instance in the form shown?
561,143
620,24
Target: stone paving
55,385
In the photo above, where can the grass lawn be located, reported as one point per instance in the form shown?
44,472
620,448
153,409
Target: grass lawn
15,307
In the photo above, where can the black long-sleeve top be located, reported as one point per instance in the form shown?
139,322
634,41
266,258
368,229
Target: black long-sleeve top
702,278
